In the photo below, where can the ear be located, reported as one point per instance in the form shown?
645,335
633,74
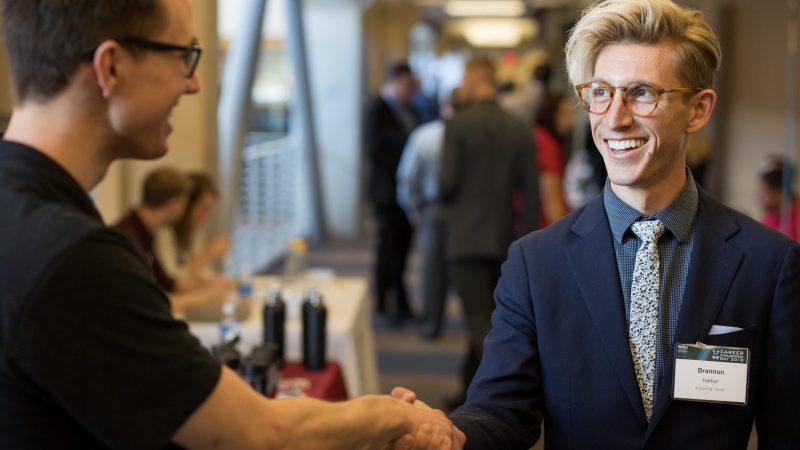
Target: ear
701,107
105,62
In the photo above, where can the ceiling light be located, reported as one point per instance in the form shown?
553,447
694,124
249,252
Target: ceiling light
497,33
484,8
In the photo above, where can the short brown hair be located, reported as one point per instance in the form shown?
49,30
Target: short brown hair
484,67
697,50
164,184
46,40
201,184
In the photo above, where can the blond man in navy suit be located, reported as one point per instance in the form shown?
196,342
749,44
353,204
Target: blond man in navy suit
561,348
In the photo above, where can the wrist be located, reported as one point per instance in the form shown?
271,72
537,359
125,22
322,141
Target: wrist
389,416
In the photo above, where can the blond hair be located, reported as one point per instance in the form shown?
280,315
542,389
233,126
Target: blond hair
697,51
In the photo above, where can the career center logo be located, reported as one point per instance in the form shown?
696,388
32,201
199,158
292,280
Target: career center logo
715,355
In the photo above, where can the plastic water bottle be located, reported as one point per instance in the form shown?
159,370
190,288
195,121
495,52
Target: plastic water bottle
245,283
315,316
275,321
229,332
294,266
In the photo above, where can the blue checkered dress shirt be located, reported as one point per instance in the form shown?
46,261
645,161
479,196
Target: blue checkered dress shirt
675,249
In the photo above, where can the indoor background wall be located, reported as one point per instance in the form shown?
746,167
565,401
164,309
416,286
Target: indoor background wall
334,45
754,103
386,27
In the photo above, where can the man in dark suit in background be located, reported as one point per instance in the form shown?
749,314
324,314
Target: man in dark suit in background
599,315
389,121
487,155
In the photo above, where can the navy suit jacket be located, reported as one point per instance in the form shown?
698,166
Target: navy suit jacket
558,349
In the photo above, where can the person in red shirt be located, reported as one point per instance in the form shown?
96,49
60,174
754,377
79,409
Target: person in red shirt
553,124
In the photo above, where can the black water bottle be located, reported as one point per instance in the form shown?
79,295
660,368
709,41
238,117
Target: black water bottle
254,372
227,355
314,329
267,354
275,322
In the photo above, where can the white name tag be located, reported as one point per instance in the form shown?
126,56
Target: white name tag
708,373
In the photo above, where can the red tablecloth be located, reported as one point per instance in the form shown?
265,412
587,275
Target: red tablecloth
326,384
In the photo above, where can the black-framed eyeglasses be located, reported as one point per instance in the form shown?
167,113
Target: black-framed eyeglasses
639,99
191,53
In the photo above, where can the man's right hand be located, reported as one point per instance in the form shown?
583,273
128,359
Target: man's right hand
428,436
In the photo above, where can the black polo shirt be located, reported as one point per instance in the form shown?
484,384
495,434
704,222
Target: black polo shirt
90,355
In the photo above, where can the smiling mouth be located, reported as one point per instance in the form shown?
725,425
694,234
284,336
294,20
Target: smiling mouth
625,144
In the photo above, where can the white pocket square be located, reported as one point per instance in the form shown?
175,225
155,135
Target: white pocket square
722,329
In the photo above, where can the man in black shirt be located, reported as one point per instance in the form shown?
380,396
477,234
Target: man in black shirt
90,356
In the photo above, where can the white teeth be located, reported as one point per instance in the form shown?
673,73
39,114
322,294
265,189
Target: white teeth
625,144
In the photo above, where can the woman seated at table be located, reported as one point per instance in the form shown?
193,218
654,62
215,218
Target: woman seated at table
182,248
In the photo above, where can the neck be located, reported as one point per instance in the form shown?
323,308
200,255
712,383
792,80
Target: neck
651,200
69,135
484,91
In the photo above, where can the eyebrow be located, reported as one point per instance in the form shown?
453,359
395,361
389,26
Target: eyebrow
648,83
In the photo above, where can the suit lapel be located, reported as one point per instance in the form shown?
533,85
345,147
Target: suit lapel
712,267
593,263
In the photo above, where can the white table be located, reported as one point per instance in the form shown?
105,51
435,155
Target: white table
350,340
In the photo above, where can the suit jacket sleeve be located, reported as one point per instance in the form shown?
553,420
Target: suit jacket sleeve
504,404
776,420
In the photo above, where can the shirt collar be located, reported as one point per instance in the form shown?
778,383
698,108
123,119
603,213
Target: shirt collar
678,216
48,175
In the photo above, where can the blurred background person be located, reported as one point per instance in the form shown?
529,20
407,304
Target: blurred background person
771,197
487,154
524,101
417,194
425,106
551,134
182,248
165,193
389,121
585,173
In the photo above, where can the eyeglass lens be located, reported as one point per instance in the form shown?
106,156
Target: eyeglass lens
638,98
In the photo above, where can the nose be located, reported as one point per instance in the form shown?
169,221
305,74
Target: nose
192,84
618,115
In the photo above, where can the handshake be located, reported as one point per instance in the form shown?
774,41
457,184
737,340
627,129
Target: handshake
432,430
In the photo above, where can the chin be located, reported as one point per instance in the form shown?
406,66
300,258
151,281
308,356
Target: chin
148,154
627,179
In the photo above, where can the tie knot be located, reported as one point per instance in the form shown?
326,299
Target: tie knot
648,230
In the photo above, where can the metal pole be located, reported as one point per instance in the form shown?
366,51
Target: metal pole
305,113
235,105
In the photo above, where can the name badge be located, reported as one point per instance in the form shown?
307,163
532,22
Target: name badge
708,373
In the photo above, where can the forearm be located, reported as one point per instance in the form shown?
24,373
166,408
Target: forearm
370,422
235,416
180,300
197,263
